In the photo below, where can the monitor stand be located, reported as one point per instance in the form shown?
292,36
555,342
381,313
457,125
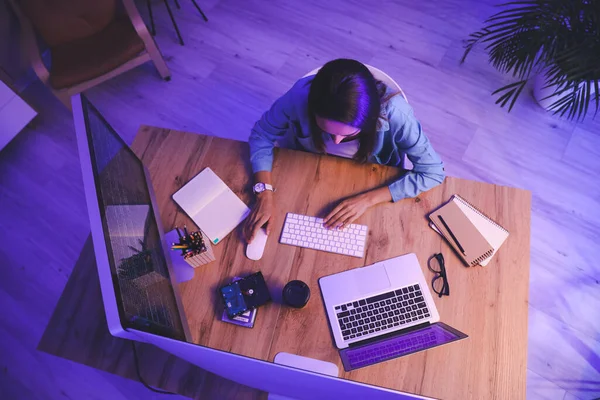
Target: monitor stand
182,270
305,363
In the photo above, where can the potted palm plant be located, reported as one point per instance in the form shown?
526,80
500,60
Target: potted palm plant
555,43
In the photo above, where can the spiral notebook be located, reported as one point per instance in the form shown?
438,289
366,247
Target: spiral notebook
494,234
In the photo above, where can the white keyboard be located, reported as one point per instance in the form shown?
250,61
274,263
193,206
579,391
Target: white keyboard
305,231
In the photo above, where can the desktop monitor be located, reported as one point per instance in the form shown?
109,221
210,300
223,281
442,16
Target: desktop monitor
139,290
136,278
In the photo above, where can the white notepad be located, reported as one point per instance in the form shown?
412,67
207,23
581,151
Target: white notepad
212,205
491,231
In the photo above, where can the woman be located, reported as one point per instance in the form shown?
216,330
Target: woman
343,110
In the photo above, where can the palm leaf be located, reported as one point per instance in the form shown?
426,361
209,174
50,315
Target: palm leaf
562,36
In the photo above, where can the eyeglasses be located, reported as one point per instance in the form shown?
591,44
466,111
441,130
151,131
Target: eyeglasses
440,280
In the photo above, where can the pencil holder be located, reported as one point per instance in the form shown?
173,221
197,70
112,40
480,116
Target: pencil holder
195,248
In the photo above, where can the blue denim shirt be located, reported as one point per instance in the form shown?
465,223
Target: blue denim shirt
399,133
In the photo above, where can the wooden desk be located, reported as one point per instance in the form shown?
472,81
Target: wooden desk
489,304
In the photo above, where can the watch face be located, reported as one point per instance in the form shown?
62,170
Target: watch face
259,187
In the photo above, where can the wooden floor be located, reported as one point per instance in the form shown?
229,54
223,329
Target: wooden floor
230,71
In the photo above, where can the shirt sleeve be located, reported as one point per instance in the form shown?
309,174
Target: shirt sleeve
271,127
428,168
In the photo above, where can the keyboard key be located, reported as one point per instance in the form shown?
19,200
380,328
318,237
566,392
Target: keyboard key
405,303
380,297
344,308
377,324
355,304
419,299
418,293
388,301
377,329
411,288
355,324
413,314
372,319
371,306
384,315
371,330
419,312
352,312
394,306
375,311
422,305
396,319
352,336
387,308
346,320
346,337
372,326
353,330
414,307
405,297
404,290
427,314
389,321
338,307
346,333
396,312
379,317
363,315
343,314
360,328
411,295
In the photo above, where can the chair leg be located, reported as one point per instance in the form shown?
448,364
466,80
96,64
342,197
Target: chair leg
152,27
199,10
63,97
173,21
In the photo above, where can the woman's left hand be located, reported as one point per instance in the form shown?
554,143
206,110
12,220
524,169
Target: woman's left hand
348,211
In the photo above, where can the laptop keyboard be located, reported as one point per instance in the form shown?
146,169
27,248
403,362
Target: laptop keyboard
381,313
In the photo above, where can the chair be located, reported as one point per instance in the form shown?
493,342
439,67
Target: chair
385,78
89,42
378,74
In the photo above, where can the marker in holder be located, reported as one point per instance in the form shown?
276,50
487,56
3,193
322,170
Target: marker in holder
194,246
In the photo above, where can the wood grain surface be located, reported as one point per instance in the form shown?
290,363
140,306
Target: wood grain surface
488,303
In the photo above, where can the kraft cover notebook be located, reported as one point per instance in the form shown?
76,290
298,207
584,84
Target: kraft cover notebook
495,234
468,242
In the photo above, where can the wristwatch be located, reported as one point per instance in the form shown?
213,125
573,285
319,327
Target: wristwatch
261,187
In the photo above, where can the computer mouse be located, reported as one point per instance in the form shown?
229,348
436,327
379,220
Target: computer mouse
254,250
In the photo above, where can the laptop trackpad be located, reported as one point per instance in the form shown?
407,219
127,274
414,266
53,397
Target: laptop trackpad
369,280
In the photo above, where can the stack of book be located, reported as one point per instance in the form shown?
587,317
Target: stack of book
474,236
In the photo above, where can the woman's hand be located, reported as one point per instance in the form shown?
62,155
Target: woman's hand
260,215
351,209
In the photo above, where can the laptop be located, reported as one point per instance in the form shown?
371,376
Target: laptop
383,311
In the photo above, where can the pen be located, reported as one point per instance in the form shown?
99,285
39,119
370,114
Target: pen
178,232
185,230
452,235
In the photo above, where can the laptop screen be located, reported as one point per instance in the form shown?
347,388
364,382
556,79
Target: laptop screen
405,343
140,276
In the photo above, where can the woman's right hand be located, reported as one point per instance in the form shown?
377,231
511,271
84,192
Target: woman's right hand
260,215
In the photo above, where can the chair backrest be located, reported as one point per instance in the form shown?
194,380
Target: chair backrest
378,74
62,21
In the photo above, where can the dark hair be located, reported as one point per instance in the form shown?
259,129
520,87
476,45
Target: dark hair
345,91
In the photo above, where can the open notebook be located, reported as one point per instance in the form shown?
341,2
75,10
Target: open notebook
494,234
212,205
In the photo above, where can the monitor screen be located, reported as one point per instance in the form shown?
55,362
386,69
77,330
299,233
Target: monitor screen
145,296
